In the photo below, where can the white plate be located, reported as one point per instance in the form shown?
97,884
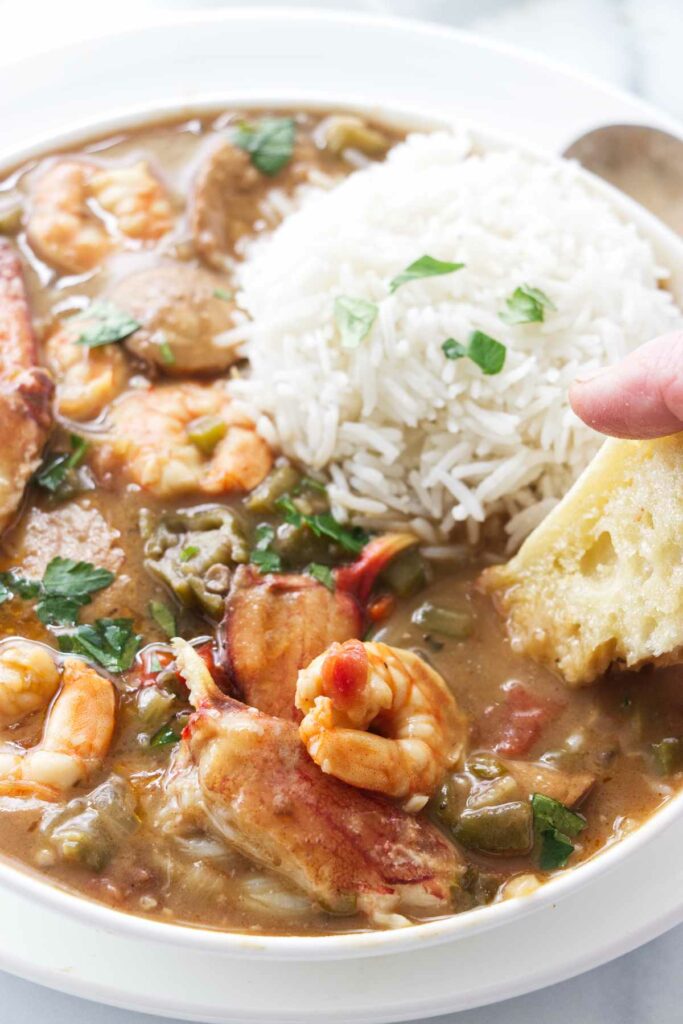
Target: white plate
628,895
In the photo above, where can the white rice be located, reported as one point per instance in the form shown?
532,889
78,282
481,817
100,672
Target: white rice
403,432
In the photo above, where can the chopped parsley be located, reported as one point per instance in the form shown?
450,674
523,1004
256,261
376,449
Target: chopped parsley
526,305
65,587
69,578
112,643
52,474
269,142
556,826
223,293
57,610
164,618
486,352
109,324
426,266
262,554
323,524
164,736
354,319
322,573
166,353
189,552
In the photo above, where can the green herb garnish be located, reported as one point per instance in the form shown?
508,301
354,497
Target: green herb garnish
189,552
486,352
309,483
166,353
164,618
322,573
555,824
19,586
323,524
354,319
223,293
112,643
261,554
57,610
426,266
110,324
526,305
52,473
163,737
269,142
68,578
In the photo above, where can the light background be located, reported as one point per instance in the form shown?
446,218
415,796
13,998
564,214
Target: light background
635,44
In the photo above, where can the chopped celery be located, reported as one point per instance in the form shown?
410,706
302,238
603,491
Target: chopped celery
406,574
505,828
668,755
281,480
446,621
206,432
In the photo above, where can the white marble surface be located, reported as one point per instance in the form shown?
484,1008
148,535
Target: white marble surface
635,44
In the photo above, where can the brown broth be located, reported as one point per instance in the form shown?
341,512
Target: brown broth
607,729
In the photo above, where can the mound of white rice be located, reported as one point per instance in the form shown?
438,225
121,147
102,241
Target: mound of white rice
404,432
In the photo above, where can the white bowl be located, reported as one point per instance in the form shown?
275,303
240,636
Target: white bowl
420,76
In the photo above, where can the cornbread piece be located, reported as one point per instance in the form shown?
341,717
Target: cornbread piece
601,579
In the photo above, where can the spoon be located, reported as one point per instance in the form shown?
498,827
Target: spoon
645,163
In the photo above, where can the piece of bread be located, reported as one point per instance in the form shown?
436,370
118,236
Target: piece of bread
601,579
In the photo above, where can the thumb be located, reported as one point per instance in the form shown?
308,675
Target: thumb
640,397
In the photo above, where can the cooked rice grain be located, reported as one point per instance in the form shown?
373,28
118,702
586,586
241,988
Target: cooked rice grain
405,433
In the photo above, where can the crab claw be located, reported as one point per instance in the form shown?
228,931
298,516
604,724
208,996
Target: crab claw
359,577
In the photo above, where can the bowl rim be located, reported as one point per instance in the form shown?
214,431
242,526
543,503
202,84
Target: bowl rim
447,929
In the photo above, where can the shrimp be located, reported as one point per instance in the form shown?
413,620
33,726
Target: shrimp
28,681
75,740
136,199
151,442
88,379
418,730
67,232
244,777
62,229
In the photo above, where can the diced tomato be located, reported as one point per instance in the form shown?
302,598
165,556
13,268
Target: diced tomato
381,608
345,672
513,725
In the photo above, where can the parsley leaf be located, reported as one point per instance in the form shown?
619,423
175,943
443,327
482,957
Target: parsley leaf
269,142
57,610
354,319
52,473
112,643
526,305
163,616
290,513
426,266
163,737
223,293
110,324
189,552
261,555
555,823
352,539
68,578
19,585
323,524
166,353
486,352
5,593
321,573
